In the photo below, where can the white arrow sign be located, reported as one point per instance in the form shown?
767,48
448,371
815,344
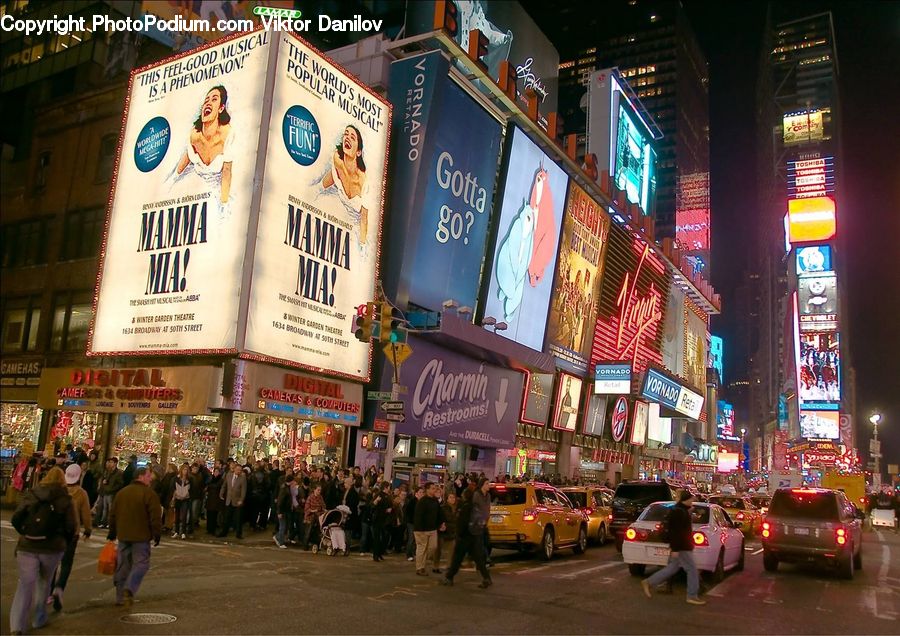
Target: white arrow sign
500,405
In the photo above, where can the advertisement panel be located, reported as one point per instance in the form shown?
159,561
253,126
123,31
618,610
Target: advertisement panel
811,220
641,419
595,415
511,35
670,393
803,127
173,252
631,312
568,397
692,212
442,182
717,356
538,393
659,428
695,330
820,371
521,274
576,287
820,425
810,178
725,429
818,302
319,231
845,423
815,259
612,378
458,399
728,462
673,331
619,419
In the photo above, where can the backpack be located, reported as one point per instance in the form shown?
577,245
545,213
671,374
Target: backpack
42,520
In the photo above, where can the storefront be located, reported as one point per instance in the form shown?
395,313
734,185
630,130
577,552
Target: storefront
133,411
20,416
277,413
535,452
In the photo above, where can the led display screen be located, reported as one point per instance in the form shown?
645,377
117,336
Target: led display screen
820,425
820,371
818,302
635,159
814,259
811,219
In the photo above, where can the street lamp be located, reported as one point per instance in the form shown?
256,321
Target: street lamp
875,418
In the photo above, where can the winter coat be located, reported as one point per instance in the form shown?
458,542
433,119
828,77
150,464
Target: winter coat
450,513
427,515
65,526
135,514
114,482
81,504
214,502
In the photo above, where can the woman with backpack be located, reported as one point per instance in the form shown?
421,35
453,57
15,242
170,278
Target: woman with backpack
45,521
182,502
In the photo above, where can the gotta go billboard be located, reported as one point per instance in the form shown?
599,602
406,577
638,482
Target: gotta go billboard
250,240
521,272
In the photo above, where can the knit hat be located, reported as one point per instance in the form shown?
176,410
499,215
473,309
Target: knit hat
73,474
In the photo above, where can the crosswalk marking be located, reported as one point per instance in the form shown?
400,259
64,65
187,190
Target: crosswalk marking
596,568
544,567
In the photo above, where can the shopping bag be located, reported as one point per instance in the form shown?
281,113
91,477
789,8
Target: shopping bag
106,562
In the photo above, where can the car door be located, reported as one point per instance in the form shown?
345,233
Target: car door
568,518
732,537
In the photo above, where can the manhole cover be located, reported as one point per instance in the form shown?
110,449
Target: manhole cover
148,619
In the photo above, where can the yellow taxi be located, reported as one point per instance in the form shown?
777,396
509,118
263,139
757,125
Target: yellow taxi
535,515
595,502
741,510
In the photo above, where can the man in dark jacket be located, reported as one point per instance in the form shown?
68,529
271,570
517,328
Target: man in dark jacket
382,507
128,475
110,483
134,520
426,522
469,529
681,555
409,517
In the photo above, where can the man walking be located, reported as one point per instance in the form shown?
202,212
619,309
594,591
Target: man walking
426,523
110,483
234,491
473,515
681,555
134,520
409,516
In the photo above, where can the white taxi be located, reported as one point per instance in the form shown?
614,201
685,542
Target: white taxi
718,544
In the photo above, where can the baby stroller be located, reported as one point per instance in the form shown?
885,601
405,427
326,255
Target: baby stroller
333,538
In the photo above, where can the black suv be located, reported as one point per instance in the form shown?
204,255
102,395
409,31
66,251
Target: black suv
630,500
812,524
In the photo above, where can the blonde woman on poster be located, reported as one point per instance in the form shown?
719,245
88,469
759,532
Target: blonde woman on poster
347,179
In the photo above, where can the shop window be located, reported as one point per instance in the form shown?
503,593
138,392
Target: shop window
71,320
81,430
83,231
21,318
194,437
19,423
106,158
256,437
141,435
24,244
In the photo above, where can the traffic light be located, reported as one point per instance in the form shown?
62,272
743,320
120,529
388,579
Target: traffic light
363,322
391,322
446,17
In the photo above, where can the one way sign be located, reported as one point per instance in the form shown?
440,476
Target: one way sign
395,417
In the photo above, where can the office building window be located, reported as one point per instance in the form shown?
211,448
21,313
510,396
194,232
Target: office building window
21,318
24,243
71,320
83,232
42,170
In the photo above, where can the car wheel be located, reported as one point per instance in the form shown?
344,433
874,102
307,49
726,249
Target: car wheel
547,546
740,564
581,546
857,560
770,561
719,573
601,536
845,568
636,569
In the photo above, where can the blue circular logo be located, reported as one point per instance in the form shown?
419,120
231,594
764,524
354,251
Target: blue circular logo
152,144
302,137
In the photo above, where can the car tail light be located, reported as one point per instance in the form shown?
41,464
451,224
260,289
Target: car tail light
700,539
740,516
630,534
766,529
840,535
588,511
609,518
529,515
637,534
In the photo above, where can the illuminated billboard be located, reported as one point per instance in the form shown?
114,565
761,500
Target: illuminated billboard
171,265
811,219
319,232
804,127
659,428
814,259
717,356
640,421
695,331
522,271
568,396
725,429
820,371
728,462
576,289
692,212
820,425
620,139
818,302
810,178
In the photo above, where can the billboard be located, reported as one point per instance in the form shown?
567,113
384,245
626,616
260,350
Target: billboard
319,233
725,423
612,378
692,212
576,287
442,183
619,419
620,140
511,35
810,178
659,428
811,220
521,273
728,462
640,421
673,331
818,302
695,347
814,259
568,397
173,252
538,393
820,425
820,371
717,356
668,392
631,312
803,127
595,414
455,398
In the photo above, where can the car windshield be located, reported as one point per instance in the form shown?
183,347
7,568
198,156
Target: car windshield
760,501
578,499
804,505
507,497
729,502
660,512
643,493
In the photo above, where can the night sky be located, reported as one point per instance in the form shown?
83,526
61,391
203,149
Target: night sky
868,47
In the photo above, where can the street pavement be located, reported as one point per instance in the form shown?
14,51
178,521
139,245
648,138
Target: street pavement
252,587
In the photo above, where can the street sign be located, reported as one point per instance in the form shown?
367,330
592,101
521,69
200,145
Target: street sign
395,417
397,352
392,406
379,395
382,426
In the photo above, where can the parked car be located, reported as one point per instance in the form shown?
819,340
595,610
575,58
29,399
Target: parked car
761,502
741,510
718,542
631,499
594,502
535,515
813,524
